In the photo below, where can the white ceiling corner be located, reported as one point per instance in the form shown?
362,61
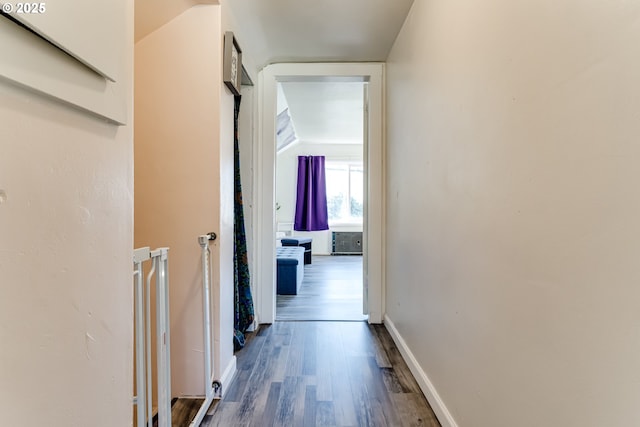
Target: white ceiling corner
153,14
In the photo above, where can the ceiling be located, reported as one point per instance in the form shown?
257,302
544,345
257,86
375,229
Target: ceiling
274,31
319,30
153,14
326,112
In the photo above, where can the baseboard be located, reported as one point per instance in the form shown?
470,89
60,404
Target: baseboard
430,392
228,375
253,326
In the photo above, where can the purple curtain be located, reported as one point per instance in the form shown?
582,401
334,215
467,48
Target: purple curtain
311,202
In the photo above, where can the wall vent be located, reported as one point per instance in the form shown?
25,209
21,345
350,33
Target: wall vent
346,243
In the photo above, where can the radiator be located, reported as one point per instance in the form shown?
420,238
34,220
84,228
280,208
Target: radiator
142,315
346,243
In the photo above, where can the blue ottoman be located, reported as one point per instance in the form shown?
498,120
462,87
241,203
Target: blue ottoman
290,269
303,242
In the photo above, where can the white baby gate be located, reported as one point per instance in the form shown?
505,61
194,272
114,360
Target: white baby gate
144,399
212,387
142,313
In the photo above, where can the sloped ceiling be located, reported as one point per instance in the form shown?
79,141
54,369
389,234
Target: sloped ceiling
297,30
273,31
153,14
319,31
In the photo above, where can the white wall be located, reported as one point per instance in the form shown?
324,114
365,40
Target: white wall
184,178
246,137
512,214
179,176
286,186
66,241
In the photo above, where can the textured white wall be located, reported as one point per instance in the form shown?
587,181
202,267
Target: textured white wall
66,241
513,205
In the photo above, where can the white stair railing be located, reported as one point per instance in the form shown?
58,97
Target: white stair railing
142,314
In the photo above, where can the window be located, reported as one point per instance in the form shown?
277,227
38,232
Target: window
345,192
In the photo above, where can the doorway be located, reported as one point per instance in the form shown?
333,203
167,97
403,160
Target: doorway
265,194
327,119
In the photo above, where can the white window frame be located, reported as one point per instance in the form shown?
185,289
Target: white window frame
349,164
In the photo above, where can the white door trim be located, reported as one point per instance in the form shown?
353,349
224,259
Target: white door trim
264,187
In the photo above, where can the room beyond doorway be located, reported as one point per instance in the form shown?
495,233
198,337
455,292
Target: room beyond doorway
265,201
331,290
324,121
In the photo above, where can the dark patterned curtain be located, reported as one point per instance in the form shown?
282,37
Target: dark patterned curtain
311,200
242,291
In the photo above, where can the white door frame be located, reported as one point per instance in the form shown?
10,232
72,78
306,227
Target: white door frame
264,275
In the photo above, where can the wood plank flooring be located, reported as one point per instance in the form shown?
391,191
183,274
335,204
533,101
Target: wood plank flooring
331,290
321,374
183,411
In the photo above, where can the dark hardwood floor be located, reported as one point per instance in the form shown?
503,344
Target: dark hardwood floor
331,290
321,374
183,411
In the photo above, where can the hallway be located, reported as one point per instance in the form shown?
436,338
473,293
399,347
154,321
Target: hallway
322,374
